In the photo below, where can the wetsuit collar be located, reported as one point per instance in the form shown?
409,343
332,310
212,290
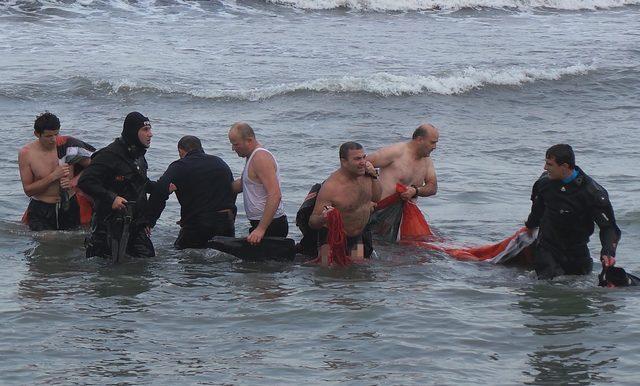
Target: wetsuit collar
571,177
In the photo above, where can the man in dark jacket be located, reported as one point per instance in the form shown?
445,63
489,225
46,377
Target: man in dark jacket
116,178
566,203
203,188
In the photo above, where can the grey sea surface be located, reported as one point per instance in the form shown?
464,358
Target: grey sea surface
502,79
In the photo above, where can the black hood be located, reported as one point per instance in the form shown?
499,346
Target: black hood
132,124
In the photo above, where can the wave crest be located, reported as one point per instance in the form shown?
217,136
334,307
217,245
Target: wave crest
382,84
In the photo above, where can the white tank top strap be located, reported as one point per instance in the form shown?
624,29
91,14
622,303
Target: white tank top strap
254,193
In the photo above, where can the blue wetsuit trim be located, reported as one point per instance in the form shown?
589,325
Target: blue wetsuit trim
571,177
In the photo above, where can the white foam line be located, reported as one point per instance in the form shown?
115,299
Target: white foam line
383,84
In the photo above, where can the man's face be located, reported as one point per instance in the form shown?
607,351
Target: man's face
238,144
48,138
355,162
556,172
144,135
429,143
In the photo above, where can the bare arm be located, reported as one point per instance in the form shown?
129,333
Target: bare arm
265,169
383,157
430,186
32,187
236,185
317,220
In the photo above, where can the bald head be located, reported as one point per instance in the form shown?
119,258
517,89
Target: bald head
243,130
425,130
424,140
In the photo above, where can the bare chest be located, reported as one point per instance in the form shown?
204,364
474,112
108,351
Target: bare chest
43,163
407,170
354,196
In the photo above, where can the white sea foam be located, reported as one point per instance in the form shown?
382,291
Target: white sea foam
452,5
382,84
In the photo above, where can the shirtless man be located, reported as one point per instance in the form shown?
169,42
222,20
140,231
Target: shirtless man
409,163
353,190
44,179
259,184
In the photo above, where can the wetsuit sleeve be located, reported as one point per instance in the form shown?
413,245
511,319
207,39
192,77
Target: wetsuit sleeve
602,214
160,193
537,207
93,178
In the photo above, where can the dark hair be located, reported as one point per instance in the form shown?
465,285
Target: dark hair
345,147
562,154
421,131
189,142
244,130
46,121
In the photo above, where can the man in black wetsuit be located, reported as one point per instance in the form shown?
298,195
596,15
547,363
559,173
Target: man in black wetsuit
566,203
118,175
203,187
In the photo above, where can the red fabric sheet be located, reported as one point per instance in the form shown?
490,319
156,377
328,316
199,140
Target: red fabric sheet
414,230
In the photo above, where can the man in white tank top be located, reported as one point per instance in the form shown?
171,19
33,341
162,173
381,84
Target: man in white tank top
259,184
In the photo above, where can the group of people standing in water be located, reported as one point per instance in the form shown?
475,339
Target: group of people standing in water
57,172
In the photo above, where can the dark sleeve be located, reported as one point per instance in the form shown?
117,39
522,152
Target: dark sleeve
160,193
602,214
537,206
93,178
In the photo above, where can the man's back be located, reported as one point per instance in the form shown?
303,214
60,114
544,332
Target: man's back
203,183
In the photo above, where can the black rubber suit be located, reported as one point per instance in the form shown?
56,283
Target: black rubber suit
565,213
119,169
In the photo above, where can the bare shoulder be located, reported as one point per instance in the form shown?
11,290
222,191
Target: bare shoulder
331,184
25,152
263,157
393,150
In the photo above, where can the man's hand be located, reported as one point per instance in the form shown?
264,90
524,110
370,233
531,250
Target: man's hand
256,236
65,183
607,261
370,170
172,188
410,193
530,231
147,230
119,203
60,172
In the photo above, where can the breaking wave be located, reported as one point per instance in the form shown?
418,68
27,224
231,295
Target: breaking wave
382,84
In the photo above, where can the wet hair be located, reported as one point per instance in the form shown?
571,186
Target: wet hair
562,154
46,121
421,131
244,130
345,147
615,276
189,142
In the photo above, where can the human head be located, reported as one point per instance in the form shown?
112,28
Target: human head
352,158
242,138
46,129
187,144
136,130
425,138
614,277
559,161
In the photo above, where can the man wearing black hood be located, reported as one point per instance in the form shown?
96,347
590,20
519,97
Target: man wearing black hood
118,175
566,203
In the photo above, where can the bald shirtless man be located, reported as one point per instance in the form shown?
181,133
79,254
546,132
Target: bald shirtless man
353,190
409,163
44,178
